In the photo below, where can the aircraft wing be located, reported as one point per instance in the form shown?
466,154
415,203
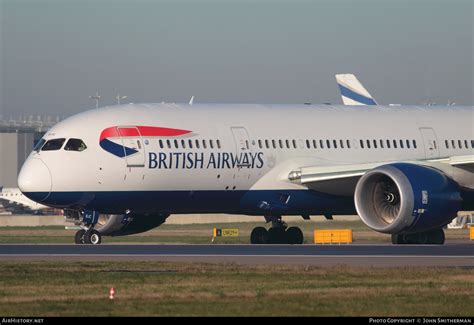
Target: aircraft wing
466,161
14,195
342,179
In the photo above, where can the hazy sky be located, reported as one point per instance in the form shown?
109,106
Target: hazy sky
54,54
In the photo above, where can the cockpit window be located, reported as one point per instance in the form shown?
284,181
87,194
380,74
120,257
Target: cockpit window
75,145
39,144
54,144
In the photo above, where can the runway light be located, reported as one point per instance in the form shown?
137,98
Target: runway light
111,293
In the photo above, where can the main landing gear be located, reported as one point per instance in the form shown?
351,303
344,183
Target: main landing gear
279,233
432,237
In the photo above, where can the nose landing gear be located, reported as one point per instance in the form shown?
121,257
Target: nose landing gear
88,235
279,233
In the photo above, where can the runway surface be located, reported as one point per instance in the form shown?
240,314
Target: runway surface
321,255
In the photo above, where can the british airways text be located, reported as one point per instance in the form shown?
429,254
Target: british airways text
201,160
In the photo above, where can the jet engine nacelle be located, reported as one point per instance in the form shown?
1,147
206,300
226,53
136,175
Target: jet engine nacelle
406,198
129,224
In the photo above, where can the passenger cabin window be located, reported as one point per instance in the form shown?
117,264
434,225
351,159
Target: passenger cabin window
183,144
218,144
190,143
414,143
54,144
75,145
211,144
446,143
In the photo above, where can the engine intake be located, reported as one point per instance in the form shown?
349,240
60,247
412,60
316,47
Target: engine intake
404,198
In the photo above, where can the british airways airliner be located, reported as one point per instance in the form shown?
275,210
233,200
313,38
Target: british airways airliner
121,170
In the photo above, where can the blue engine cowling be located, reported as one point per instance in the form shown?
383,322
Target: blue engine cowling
406,198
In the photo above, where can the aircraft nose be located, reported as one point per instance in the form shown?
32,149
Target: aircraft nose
35,179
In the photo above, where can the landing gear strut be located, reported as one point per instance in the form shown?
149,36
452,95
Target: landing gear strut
432,237
279,233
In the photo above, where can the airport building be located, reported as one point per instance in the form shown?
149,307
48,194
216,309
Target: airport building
17,139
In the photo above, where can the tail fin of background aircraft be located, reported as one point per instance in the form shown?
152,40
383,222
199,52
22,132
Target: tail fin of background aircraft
352,91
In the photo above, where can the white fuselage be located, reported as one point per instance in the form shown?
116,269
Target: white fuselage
254,147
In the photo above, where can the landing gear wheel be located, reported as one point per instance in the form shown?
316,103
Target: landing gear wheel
259,235
277,235
397,239
436,237
421,238
294,236
79,236
433,237
92,237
